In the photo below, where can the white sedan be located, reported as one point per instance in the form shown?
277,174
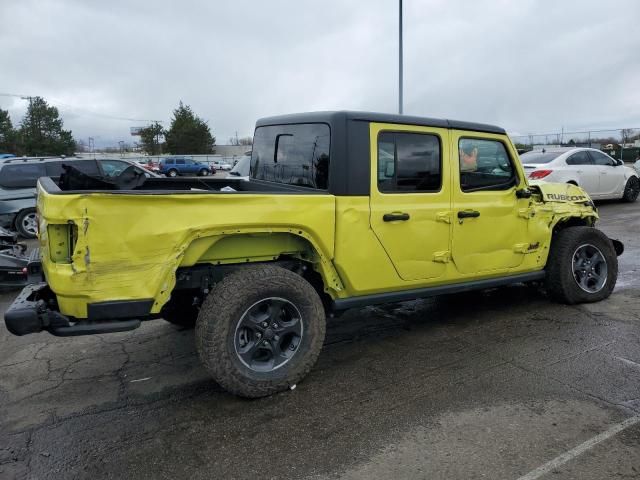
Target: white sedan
596,172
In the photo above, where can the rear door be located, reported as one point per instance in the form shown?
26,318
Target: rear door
489,233
410,198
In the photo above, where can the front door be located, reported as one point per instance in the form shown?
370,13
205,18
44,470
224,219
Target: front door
410,198
611,176
588,174
489,228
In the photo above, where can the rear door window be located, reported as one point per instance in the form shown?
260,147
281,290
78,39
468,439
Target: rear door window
21,175
292,154
580,158
409,162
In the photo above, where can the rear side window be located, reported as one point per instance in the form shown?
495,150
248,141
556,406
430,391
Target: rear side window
580,158
179,162
409,162
21,175
484,165
292,154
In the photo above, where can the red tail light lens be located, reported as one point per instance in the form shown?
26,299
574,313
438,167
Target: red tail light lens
538,174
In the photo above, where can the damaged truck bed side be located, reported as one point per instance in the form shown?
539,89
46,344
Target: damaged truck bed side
344,209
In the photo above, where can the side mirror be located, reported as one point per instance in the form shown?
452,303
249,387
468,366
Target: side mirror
523,193
619,163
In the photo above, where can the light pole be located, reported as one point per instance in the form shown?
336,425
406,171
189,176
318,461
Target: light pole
400,60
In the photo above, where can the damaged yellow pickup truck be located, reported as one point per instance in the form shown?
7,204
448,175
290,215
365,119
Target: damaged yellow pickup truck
342,210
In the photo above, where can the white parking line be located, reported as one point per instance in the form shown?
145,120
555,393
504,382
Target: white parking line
580,449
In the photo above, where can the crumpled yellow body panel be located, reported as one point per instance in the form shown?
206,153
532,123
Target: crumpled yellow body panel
129,245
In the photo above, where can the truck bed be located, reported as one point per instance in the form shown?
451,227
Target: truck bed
79,182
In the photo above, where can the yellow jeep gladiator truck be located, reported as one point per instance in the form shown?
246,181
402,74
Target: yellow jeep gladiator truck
342,210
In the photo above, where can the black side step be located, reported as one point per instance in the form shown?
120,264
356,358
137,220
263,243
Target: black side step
91,328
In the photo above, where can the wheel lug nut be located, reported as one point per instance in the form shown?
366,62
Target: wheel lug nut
259,335
275,325
276,337
265,324
265,343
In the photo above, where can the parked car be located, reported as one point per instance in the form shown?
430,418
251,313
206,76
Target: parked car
241,169
18,178
596,172
174,166
220,165
336,229
149,165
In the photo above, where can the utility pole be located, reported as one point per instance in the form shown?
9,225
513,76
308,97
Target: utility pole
400,60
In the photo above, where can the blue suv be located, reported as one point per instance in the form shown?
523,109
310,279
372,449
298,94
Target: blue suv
174,166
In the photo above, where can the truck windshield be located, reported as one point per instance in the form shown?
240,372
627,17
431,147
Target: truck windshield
292,154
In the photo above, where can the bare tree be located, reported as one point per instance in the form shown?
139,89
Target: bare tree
626,133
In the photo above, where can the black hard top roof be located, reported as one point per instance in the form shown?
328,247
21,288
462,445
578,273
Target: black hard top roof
336,116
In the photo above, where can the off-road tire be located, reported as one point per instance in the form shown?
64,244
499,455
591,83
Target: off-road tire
19,222
560,283
631,190
223,309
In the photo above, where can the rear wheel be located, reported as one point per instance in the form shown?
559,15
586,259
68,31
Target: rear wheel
27,223
582,266
260,330
172,173
631,190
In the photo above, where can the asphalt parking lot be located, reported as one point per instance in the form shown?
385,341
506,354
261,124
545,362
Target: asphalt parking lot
499,385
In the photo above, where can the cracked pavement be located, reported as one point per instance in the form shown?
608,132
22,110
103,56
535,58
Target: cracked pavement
479,385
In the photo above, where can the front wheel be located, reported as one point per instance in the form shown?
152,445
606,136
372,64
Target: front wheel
582,266
260,330
631,190
27,223
204,172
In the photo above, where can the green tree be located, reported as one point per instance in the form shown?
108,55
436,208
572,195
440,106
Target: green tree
150,138
7,133
41,131
188,133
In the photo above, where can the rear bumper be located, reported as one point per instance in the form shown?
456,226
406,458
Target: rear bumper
34,310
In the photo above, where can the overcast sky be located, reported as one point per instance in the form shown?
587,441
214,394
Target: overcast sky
529,66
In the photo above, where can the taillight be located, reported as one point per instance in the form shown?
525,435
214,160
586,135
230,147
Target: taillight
538,174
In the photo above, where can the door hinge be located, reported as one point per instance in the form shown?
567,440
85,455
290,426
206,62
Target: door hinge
442,257
444,217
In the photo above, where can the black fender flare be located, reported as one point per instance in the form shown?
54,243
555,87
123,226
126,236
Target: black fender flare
618,246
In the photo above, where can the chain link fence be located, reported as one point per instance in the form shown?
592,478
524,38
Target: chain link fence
622,143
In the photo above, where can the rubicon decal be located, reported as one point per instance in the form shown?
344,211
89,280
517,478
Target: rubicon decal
566,198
